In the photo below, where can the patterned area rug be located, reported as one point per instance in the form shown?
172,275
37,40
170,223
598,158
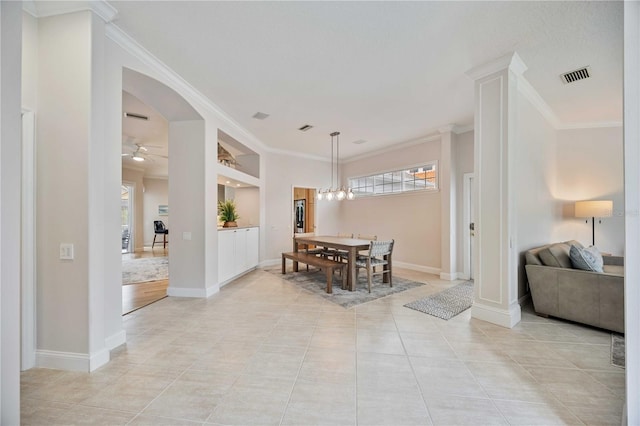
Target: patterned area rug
145,269
617,350
446,304
315,281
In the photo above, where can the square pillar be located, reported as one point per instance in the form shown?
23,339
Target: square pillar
496,258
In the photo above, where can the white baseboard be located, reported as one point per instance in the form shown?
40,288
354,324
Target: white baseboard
463,276
98,359
524,299
270,262
115,340
449,277
70,361
223,283
505,318
421,268
191,292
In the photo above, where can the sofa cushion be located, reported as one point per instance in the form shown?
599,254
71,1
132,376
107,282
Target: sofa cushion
614,270
587,259
556,255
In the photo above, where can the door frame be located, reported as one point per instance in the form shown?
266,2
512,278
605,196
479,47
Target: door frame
466,220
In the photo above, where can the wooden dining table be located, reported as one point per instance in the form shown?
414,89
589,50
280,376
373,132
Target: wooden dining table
350,245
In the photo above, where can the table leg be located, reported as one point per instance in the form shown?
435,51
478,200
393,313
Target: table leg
351,266
295,250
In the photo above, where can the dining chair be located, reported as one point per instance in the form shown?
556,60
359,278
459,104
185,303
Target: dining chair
305,246
160,229
366,237
335,253
378,252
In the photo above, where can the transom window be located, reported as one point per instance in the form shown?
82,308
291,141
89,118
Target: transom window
419,178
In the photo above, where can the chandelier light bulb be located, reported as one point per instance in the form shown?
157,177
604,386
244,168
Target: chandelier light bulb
320,194
329,196
350,195
340,195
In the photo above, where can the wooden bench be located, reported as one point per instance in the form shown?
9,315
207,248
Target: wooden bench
327,265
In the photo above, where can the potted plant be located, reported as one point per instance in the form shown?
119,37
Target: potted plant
228,213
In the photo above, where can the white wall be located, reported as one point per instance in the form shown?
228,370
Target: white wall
62,175
10,178
537,216
186,204
590,166
248,206
29,61
135,177
156,192
412,220
283,174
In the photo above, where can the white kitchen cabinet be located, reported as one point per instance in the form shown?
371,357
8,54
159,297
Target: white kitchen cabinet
238,252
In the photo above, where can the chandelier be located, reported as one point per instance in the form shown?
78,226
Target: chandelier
339,193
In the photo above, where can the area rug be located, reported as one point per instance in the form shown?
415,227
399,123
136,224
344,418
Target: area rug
145,269
617,350
448,303
316,283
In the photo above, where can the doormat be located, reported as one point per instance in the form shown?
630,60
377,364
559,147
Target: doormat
145,269
447,303
617,350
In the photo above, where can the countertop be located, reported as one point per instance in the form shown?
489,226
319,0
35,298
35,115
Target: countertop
237,227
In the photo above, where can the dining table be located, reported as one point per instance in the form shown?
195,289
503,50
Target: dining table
350,245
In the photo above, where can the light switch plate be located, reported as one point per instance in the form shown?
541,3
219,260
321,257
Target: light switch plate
186,235
66,251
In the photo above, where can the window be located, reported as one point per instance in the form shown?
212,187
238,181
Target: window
419,178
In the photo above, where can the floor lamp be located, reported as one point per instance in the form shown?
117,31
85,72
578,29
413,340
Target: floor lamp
594,209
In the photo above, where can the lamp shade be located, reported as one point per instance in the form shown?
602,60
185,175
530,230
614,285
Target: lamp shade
594,208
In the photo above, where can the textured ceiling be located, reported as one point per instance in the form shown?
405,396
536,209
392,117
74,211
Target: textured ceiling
385,72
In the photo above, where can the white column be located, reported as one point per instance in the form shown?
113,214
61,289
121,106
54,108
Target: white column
10,176
446,182
632,206
495,268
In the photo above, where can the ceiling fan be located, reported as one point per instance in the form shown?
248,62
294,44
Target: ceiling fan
141,152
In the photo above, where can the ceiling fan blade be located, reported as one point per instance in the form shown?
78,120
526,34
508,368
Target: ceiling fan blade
156,155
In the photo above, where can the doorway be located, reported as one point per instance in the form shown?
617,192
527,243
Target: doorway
127,191
468,225
304,210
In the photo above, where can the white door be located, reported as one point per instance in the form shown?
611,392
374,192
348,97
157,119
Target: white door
226,255
253,247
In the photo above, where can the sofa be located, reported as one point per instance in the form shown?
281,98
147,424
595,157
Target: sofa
587,297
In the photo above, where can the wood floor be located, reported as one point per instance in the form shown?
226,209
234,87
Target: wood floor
138,295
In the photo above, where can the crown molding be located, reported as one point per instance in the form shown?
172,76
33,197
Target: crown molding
447,129
298,154
534,97
122,39
511,61
463,129
43,9
157,177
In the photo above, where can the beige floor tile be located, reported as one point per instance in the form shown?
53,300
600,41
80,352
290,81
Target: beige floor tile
143,420
321,403
81,415
263,351
38,412
385,408
456,410
193,396
379,341
525,413
438,376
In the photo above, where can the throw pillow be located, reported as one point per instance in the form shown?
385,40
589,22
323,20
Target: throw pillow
556,255
587,259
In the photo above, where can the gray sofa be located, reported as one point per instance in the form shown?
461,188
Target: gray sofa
593,298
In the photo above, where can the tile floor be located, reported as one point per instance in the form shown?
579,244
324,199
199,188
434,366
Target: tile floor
265,352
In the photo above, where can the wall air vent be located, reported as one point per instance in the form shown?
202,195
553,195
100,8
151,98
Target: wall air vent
306,127
138,116
260,115
576,75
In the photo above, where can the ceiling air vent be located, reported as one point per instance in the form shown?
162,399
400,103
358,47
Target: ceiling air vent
305,128
359,141
576,75
260,115
138,116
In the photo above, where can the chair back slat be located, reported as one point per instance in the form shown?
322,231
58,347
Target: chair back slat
344,235
367,237
380,248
